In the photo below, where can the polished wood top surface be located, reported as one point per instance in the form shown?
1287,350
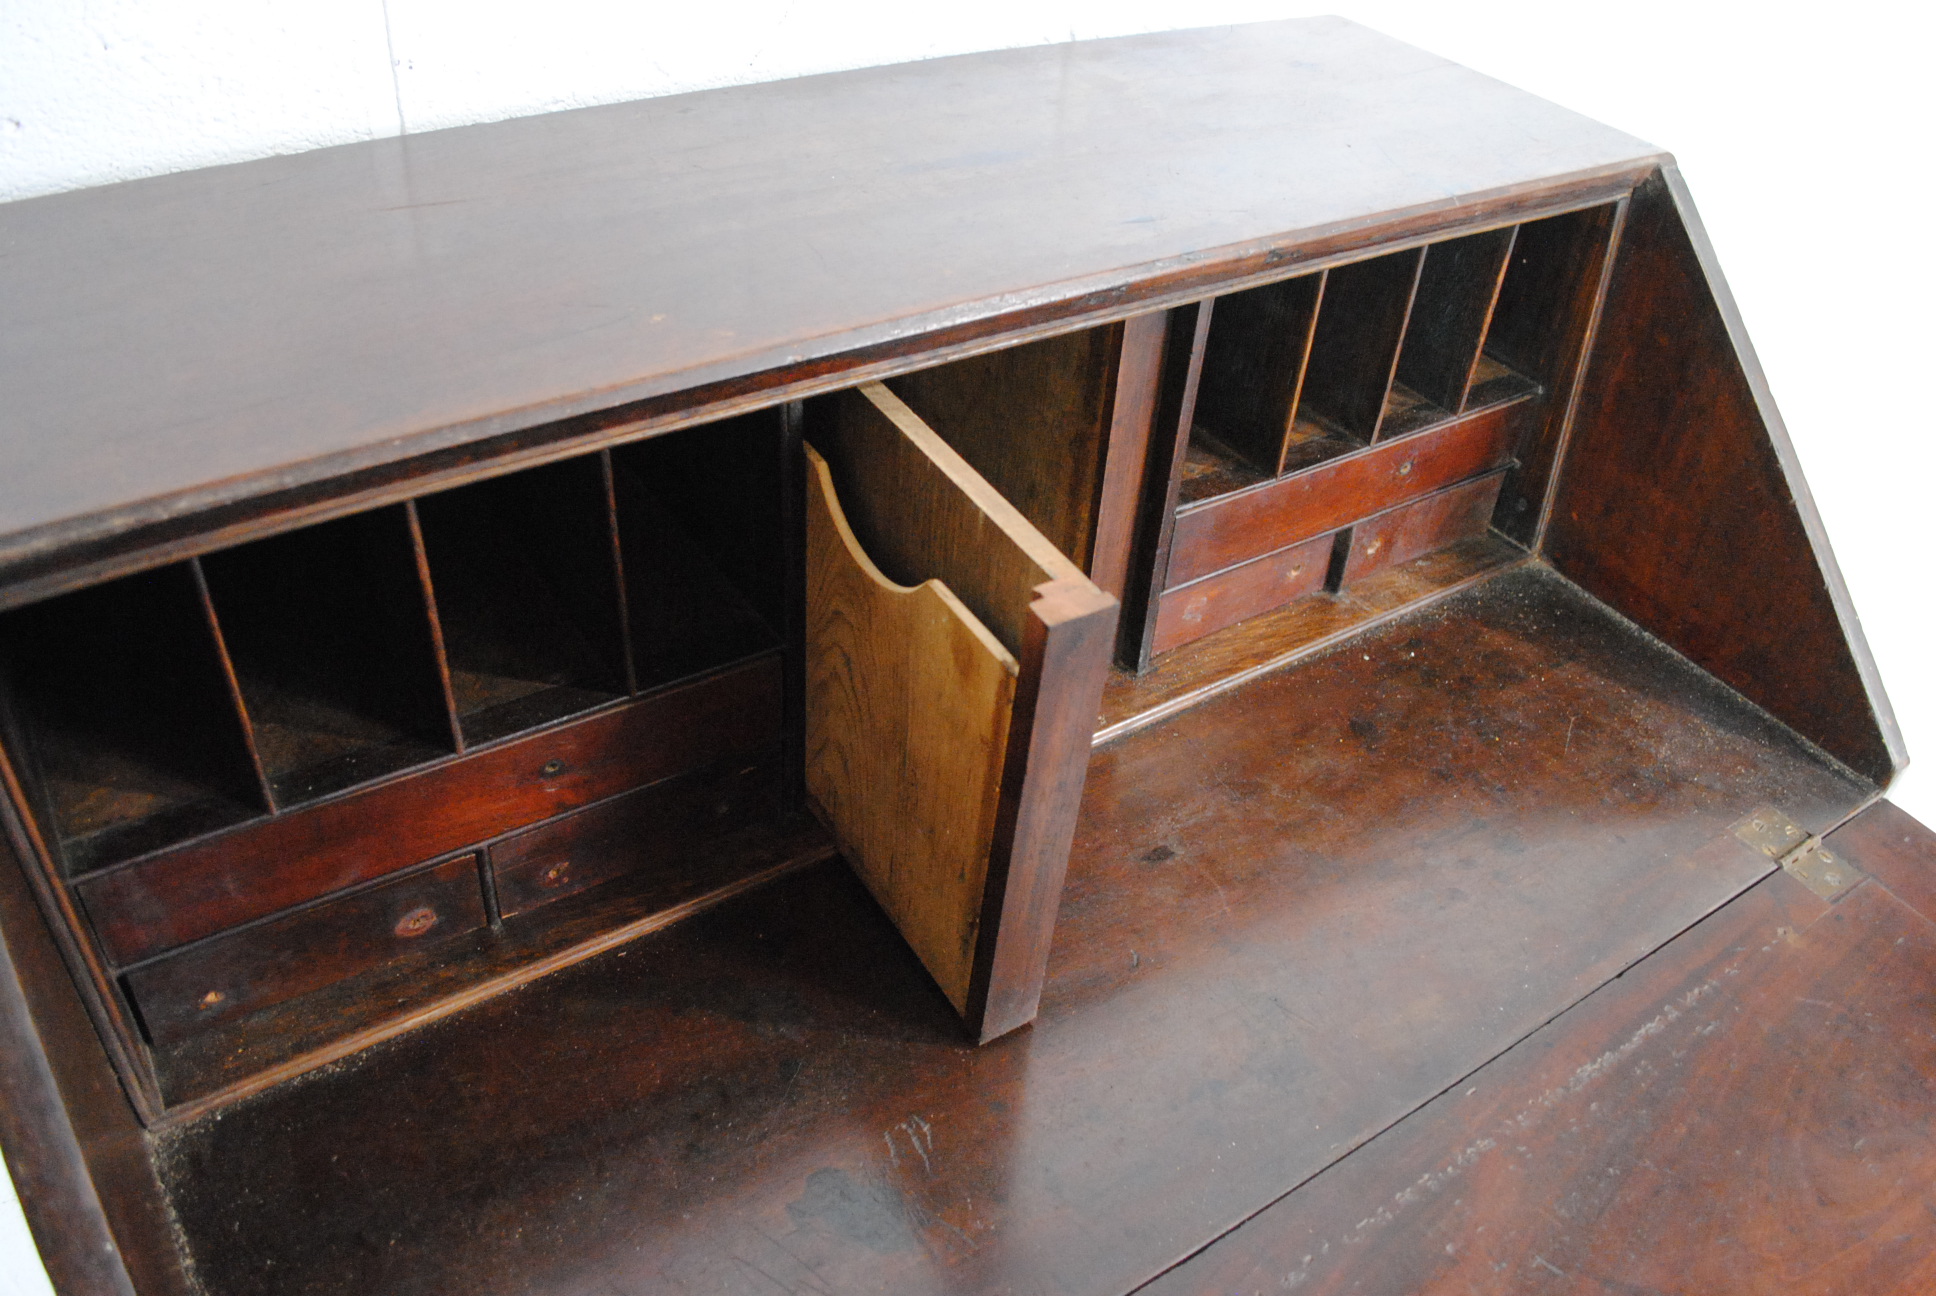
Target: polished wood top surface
171,345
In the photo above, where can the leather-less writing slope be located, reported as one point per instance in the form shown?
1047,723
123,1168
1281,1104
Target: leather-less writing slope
432,563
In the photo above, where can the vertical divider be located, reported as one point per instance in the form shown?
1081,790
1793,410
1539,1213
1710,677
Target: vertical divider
1184,343
793,628
234,686
1254,363
1485,325
1404,323
92,978
1355,344
1340,555
618,568
1303,369
422,559
1131,411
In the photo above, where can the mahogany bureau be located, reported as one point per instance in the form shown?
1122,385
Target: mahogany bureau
430,565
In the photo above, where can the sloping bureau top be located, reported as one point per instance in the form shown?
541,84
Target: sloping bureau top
171,346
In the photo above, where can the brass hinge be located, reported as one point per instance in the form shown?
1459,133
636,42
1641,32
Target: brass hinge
1800,854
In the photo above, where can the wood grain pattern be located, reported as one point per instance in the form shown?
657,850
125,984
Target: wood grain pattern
1132,421
852,213
168,899
1354,348
1034,421
1186,334
650,828
219,1067
1701,563
1898,852
1253,367
242,972
1189,612
1747,1111
1290,916
920,511
909,699
1542,327
1398,535
80,1164
1221,533
1457,289
1272,640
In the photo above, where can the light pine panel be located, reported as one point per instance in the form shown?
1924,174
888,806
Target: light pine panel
908,705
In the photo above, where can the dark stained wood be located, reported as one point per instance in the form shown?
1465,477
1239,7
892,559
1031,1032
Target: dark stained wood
1703,566
1456,291
1542,328
699,527
1899,853
1749,1110
648,828
74,1145
330,630
1064,658
217,1067
242,972
433,623
1272,640
1354,350
1253,367
1061,176
523,568
1139,375
1399,535
1035,421
920,516
1186,335
1221,533
1290,913
121,723
63,558
1188,612
166,900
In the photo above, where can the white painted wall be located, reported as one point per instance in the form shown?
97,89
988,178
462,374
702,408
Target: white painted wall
1803,133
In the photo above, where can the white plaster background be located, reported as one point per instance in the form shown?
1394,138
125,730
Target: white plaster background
1805,134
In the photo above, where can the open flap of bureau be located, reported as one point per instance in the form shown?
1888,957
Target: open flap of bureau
954,662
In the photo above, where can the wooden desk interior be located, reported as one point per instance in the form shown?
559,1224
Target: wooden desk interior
569,690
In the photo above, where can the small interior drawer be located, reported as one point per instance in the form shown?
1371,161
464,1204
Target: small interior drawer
1191,611
1229,529
251,969
955,659
166,900
649,828
1442,518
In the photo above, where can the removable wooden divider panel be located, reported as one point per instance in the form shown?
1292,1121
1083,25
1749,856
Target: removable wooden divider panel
955,660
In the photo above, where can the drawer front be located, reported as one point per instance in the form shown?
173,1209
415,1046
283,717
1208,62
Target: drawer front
241,972
1402,534
1233,529
652,828
1242,592
170,899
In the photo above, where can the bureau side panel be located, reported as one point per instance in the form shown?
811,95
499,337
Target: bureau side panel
1682,505
74,1146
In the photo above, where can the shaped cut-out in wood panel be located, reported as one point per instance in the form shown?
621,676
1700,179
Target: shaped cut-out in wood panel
954,662
909,698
